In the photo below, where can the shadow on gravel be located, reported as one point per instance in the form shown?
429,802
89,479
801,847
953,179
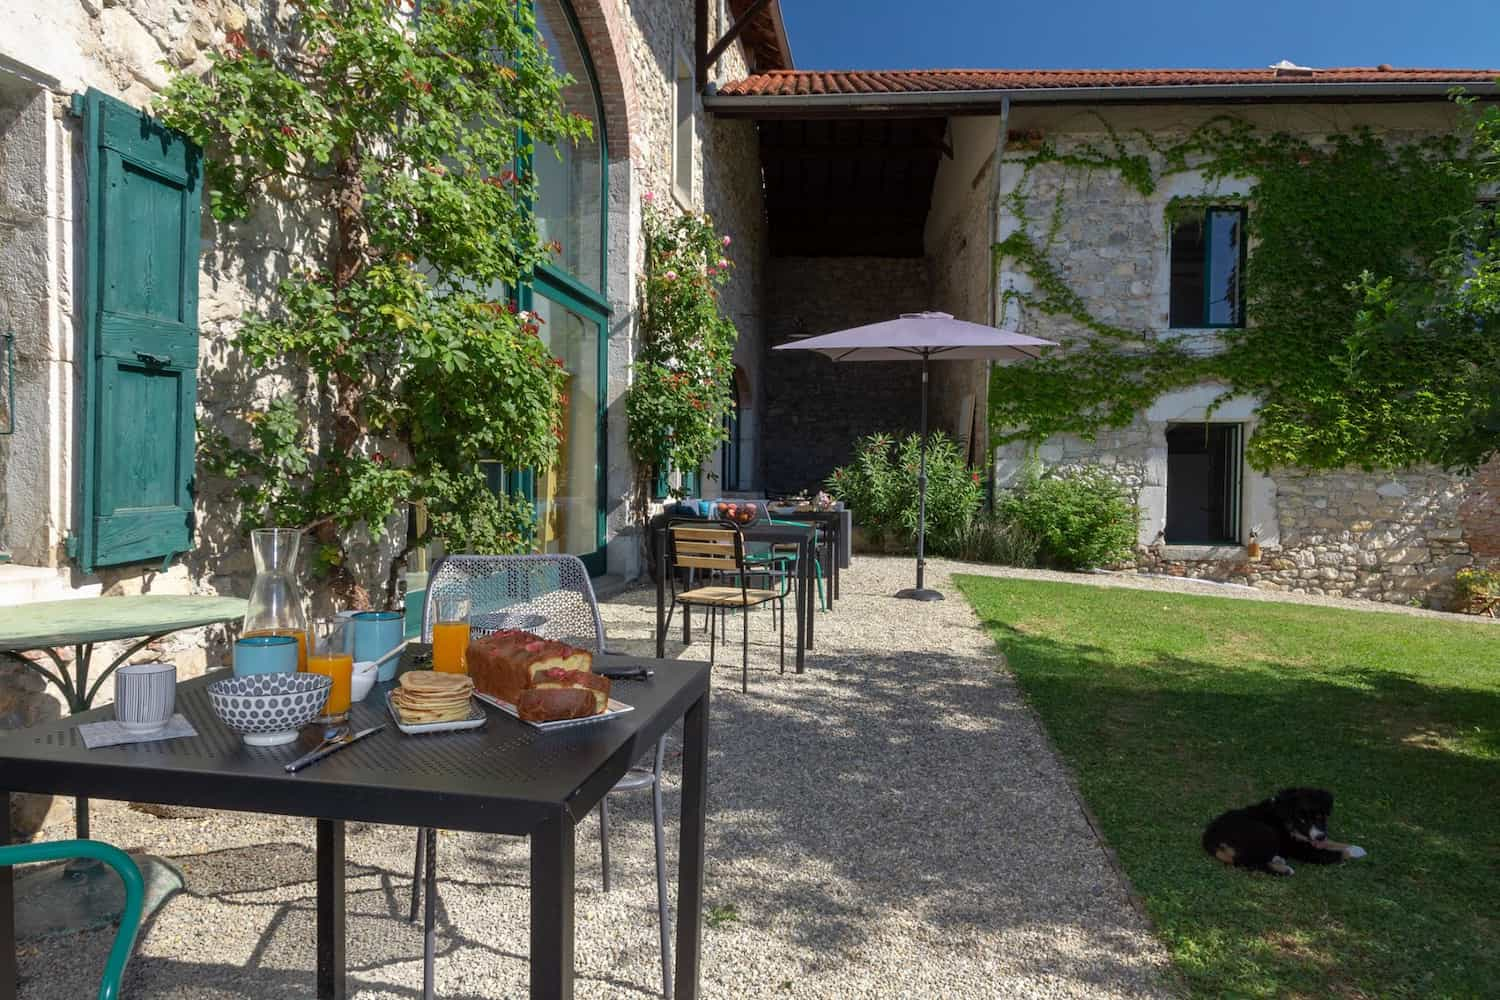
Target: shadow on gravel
908,782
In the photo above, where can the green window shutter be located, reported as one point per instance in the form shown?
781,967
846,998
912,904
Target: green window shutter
141,337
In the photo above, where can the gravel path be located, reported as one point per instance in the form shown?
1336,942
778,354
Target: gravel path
893,823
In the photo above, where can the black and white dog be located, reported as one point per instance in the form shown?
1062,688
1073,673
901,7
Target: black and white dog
1292,825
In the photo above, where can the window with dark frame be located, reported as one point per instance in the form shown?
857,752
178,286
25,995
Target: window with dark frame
1207,269
1203,484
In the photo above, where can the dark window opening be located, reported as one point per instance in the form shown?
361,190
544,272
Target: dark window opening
729,471
1207,258
1203,484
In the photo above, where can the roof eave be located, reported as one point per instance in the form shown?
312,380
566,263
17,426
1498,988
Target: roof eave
987,101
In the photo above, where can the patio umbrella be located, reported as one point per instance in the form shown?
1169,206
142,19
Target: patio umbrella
924,336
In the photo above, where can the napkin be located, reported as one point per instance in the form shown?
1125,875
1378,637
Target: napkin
108,734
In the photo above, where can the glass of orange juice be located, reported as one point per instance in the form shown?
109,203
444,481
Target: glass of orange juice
450,634
328,656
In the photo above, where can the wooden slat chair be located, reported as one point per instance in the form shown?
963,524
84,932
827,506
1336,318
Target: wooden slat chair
719,551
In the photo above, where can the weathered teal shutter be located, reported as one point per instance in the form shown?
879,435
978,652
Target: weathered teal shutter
141,349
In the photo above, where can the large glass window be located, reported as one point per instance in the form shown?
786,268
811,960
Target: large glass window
570,187
567,495
569,296
1207,276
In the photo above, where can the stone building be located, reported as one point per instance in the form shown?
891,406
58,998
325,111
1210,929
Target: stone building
886,189
636,65
850,197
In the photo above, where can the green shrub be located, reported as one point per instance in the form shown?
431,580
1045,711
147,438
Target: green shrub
880,486
990,539
1081,518
1477,591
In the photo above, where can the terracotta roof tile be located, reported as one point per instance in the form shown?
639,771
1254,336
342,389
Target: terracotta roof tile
796,83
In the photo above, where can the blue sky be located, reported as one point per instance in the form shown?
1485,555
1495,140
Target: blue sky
923,34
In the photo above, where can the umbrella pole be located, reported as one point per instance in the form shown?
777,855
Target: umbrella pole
919,592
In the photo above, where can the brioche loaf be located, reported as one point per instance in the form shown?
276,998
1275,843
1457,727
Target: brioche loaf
546,680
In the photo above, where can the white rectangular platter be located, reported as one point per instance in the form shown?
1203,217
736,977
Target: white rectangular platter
474,721
613,709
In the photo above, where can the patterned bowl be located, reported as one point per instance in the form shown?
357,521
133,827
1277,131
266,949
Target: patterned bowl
268,709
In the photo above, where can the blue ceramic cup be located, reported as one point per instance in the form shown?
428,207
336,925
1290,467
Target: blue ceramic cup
377,633
265,654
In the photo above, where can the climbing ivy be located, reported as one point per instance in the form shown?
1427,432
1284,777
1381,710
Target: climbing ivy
1328,222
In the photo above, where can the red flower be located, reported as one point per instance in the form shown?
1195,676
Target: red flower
235,39
378,457
976,477
288,130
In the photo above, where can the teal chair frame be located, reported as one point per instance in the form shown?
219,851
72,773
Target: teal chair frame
135,894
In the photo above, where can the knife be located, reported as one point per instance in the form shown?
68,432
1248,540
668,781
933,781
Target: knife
625,673
321,752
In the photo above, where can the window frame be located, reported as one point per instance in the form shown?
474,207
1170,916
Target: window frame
568,291
1208,246
683,85
1234,488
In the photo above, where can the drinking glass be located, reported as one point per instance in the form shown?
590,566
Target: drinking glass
450,634
329,656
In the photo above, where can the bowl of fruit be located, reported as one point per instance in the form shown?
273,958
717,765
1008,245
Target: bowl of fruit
738,513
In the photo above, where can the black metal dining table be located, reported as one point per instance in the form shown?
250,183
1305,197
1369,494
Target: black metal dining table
831,525
800,535
505,778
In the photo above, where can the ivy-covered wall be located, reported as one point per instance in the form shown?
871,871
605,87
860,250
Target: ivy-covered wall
1083,260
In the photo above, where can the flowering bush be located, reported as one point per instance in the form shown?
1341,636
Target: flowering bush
1477,591
880,487
682,383
396,140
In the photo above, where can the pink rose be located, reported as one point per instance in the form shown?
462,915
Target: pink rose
727,240
723,262
670,276
648,197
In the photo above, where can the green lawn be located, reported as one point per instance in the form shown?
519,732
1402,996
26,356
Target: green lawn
1171,708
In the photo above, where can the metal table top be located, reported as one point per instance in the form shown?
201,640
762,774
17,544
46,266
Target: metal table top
504,778
102,619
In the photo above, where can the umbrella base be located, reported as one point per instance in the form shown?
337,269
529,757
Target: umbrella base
919,594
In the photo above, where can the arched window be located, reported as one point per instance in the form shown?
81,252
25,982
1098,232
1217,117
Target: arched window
569,297
570,205
729,451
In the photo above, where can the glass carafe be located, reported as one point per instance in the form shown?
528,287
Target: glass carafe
275,599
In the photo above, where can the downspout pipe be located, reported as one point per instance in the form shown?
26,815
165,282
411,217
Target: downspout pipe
997,211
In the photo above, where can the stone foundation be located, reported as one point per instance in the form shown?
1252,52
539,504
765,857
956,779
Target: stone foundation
1397,538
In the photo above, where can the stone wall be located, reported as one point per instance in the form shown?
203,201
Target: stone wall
959,260
816,408
128,49
1392,537
640,42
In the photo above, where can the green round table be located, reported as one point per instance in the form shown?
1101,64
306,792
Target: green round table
85,621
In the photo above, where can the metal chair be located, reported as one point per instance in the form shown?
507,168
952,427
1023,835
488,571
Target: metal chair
135,891
720,549
551,596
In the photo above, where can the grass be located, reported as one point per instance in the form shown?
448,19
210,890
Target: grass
1171,708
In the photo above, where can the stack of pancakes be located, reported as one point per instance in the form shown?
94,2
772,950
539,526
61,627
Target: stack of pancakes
426,696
